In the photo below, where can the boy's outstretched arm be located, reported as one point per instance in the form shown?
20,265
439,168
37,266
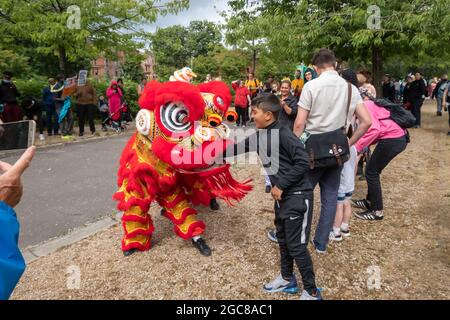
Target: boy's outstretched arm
249,144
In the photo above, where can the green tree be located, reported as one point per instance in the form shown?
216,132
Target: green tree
227,64
169,47
202,36
372,31
132,68
243,30
174,47
104,26
16,63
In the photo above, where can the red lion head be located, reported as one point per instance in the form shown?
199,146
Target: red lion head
186,123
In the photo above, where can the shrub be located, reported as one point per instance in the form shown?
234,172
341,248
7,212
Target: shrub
31,87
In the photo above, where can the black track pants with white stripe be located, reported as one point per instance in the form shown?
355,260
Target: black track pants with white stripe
293,216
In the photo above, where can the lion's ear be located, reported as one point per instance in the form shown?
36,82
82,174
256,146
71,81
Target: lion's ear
147,99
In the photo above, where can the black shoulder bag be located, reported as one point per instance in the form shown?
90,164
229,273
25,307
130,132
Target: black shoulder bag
330,149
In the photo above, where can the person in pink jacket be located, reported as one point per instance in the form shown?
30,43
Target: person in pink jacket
114,95
391,140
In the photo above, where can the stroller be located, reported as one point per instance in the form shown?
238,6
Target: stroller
118,121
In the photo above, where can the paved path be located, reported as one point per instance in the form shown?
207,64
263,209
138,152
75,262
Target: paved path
68,186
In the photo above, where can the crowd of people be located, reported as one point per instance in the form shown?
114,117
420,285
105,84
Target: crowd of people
54,112
441,92
411,92
414,89
315,106
327,119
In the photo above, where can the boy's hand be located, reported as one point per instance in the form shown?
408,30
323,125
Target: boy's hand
276,193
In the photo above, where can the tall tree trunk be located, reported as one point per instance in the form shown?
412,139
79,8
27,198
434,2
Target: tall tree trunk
254,57
62,60
254,61
377,69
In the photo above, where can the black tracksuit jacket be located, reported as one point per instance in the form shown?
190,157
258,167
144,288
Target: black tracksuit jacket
286,166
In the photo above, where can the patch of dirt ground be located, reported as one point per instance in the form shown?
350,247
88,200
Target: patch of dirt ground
409,248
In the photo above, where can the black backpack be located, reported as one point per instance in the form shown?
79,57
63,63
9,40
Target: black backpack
404,118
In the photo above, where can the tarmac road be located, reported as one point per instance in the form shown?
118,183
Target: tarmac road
67,186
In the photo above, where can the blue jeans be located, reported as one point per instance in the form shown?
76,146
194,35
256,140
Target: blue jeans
329,180
439,103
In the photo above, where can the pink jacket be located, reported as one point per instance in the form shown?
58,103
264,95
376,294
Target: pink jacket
114,97
381,128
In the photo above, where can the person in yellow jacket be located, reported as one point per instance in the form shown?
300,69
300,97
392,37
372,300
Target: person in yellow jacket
253,85
298,83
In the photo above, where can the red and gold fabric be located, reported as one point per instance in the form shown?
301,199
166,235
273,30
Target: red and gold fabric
181,130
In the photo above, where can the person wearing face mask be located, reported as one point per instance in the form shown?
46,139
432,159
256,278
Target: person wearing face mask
8,99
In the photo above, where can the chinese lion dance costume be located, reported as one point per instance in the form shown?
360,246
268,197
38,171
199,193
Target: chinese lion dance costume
171,160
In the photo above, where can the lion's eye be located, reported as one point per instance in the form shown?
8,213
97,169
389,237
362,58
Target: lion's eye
220,101
175,117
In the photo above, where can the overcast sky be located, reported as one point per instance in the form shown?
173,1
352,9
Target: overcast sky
198,10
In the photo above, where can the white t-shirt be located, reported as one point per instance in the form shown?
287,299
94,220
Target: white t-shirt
326,100
348,173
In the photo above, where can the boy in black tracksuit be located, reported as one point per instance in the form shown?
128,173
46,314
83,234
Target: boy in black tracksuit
286,162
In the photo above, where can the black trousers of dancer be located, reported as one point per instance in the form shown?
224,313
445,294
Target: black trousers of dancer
293,217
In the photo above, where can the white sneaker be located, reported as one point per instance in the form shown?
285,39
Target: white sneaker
306,296
345,233
41,137
335,237
281,285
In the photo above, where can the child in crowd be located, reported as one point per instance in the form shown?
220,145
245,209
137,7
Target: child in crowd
346,188
104,110
291,191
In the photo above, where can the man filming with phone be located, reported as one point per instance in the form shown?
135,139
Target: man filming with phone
12,264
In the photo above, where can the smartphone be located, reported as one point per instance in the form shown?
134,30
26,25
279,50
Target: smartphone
304,137
17,135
